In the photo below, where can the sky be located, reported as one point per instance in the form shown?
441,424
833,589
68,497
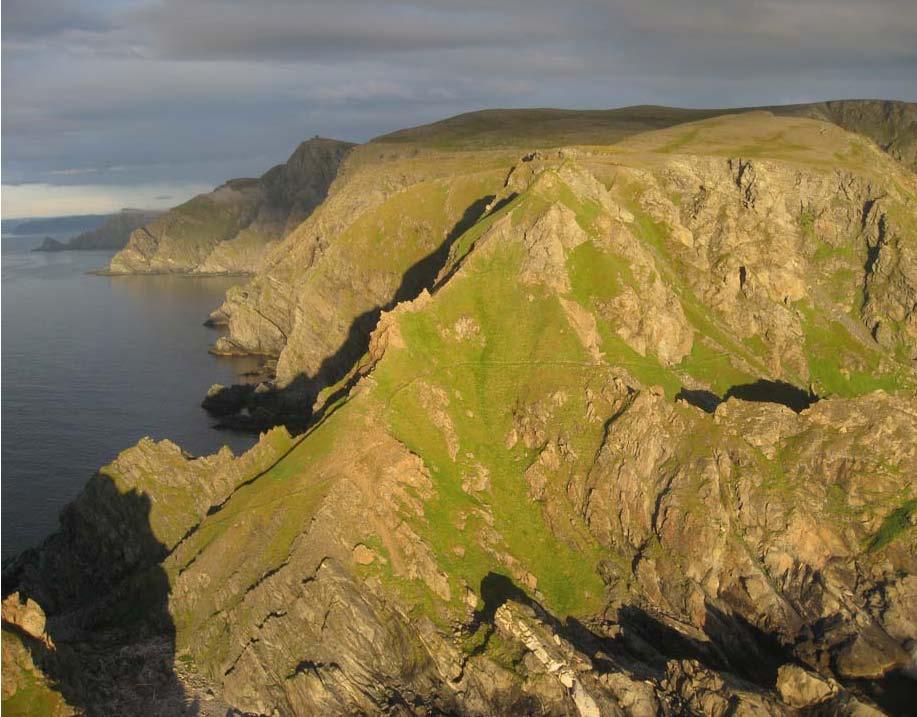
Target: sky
107,103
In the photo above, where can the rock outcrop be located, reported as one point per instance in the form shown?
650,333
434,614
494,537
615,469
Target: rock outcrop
229,230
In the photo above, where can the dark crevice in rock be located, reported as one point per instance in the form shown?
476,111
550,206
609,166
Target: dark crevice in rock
894,692
272,615
314,667
660,497
867,210
761,391
606,430
267,574
873,250
746,650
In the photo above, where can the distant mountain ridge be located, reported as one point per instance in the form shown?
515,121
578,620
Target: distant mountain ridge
112,234
70,224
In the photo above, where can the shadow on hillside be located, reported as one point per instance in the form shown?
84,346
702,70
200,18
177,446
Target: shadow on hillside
761,391
105,595
706,401
245,407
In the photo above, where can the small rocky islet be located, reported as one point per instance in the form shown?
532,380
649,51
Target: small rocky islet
563,413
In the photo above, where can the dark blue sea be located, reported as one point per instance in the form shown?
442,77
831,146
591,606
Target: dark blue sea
90,365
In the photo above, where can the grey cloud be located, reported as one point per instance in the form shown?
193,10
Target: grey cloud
657,32
286,30
143,91
37,18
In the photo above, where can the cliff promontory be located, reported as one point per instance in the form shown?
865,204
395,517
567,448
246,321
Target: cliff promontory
113,234
229,230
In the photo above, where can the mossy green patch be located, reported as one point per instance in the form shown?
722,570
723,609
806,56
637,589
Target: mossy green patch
680,142
894,525
713,367
839,364
464,243
33,696
596,274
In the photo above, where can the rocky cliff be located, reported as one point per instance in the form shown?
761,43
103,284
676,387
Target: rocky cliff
229,230
623,429
891,125
320,290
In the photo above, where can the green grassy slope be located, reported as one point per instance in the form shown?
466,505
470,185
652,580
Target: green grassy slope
892,125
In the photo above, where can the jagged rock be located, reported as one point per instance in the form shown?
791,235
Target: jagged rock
26,690
26,615
703,692
550,653
801,688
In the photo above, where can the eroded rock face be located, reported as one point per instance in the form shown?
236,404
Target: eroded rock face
26,616
810,573
229,230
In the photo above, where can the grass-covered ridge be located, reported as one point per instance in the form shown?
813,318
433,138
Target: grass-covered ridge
889,124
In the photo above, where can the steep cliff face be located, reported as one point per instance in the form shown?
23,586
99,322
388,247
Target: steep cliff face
712,185
638,437
229,230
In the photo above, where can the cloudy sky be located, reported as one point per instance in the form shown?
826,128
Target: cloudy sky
145,102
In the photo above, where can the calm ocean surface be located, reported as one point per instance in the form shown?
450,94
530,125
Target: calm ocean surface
90,365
